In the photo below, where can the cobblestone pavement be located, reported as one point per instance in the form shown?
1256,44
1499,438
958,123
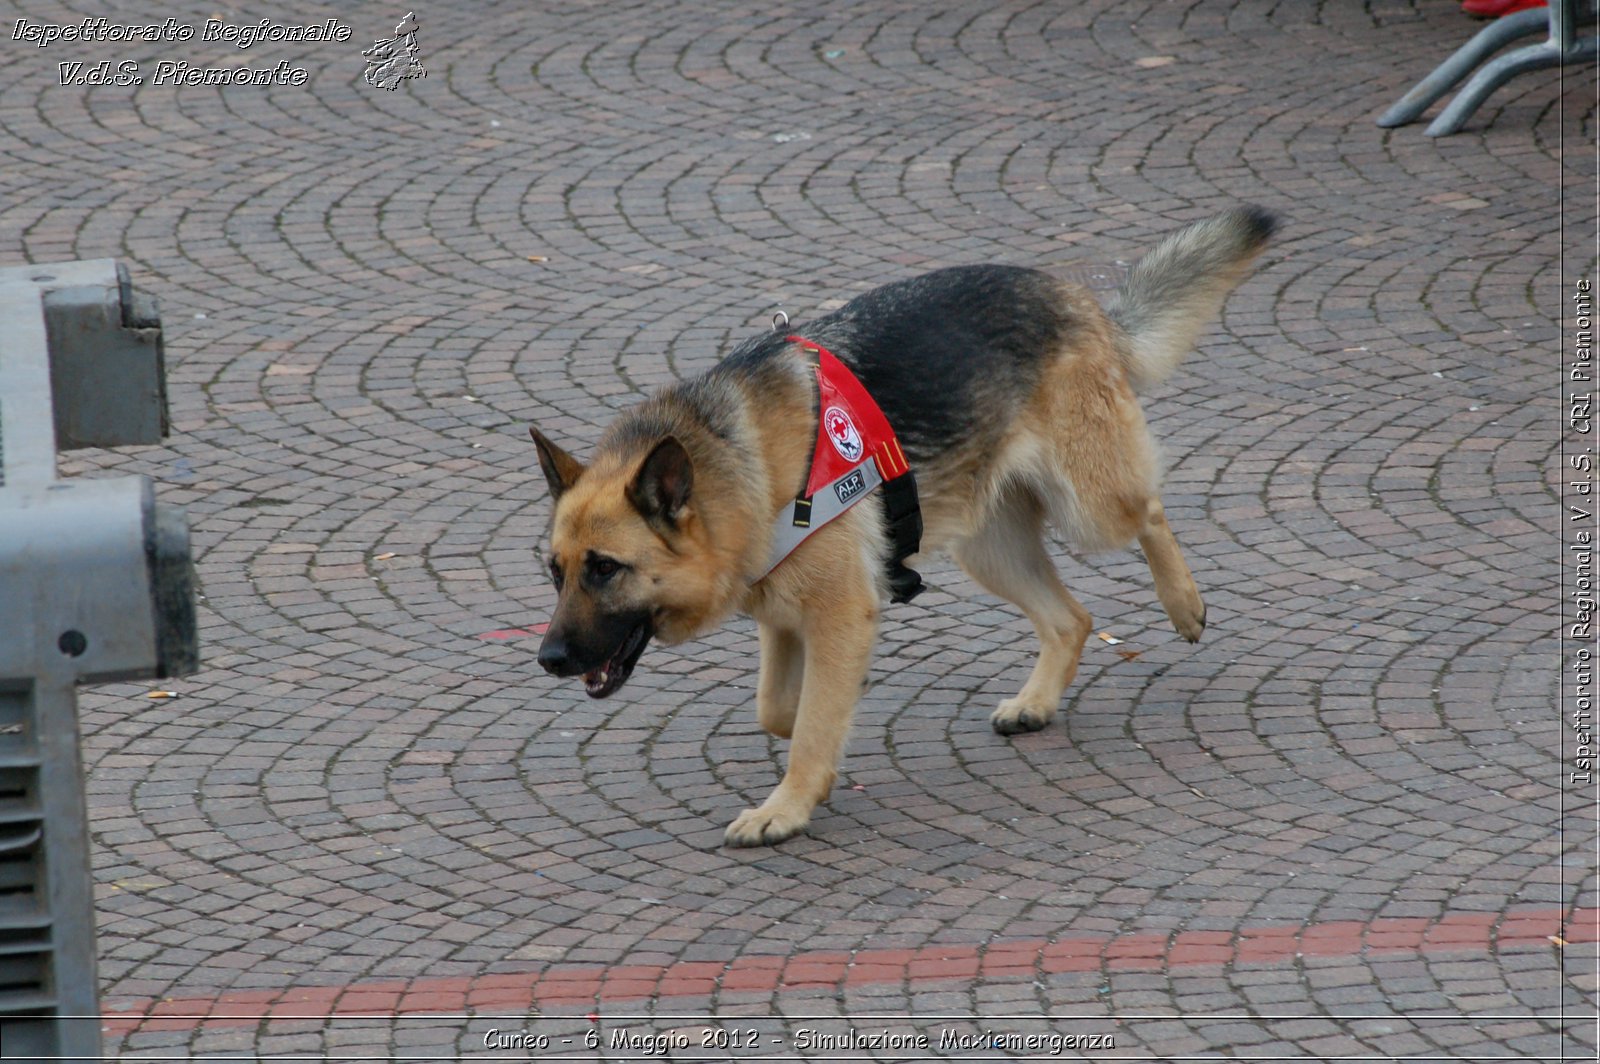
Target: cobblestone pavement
371,826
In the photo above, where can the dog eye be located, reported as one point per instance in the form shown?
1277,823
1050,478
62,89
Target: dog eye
605,568
555,574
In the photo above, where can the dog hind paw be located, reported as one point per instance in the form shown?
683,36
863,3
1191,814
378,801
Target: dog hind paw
1188,614
1191,624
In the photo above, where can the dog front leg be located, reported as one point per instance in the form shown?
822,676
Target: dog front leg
778,686
837,640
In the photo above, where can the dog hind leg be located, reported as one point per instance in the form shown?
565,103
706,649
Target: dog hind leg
1174,584
1007,556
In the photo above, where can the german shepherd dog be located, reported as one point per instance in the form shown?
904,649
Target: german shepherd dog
1013,396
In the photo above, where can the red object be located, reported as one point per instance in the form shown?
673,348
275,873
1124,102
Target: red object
853,428
1496,8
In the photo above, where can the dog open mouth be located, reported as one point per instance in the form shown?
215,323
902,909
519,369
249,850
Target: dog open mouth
600,682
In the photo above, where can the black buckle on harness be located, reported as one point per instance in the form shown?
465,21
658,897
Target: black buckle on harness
903,521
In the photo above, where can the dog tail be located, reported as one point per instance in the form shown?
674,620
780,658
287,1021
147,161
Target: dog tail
1178,287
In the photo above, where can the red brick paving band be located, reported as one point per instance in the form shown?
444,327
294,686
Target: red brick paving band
1463,933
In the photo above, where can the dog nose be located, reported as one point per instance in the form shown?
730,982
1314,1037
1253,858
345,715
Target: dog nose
553,655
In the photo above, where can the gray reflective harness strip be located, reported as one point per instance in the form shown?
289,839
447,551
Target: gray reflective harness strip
802,517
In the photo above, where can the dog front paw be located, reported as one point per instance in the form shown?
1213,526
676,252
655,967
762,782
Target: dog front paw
765,826
1015,717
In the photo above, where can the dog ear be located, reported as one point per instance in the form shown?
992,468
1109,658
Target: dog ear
561,470
661,487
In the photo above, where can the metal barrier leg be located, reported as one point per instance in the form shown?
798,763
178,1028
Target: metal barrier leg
1489,40
1502,70
96,584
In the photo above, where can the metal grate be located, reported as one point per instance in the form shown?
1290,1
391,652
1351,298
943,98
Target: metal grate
25,925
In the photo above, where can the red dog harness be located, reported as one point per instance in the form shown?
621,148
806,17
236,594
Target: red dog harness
856,452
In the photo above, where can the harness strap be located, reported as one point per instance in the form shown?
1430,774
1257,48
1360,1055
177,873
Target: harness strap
856,452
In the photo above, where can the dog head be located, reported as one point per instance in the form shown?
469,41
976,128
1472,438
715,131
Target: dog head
623,547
